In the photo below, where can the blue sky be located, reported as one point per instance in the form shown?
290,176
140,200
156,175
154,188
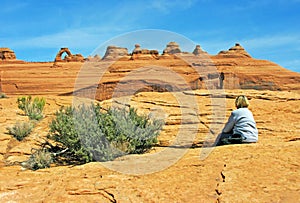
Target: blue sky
267,29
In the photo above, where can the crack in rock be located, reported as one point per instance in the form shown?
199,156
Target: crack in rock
110,196
217,190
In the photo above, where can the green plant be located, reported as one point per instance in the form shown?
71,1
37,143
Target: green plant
33,108
88,134
78,131
137,132
41,158
3,95
20,130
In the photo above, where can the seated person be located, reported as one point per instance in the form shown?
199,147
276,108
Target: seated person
240,127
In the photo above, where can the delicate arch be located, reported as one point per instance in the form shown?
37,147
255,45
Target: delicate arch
59,54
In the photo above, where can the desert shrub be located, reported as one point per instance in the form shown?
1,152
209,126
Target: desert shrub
137,132
90,134
20,130
2,96
33,108
41,158
78,131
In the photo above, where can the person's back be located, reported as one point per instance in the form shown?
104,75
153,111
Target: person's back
244,124
241,126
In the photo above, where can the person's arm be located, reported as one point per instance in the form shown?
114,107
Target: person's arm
229,125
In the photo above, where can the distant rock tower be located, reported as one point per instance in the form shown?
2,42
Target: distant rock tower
114,53
236,51
198,51
137,49
143,54
7,54
172,48
95,58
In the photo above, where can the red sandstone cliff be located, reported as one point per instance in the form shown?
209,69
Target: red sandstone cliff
240,70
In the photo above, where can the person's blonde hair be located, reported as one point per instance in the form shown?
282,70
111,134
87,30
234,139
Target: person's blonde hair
241,102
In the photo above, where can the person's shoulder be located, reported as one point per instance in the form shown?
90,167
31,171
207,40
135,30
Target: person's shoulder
240,111
235,112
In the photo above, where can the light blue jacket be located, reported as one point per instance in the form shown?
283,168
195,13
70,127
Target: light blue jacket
241,121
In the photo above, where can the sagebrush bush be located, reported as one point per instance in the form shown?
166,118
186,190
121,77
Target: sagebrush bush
90,134
41,158
78,130
20,130
33,108
2,96
137,132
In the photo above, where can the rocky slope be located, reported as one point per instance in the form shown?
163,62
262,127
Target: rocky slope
266,171
263,172
198,71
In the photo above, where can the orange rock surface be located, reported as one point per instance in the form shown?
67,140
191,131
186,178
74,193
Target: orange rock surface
60,78
267,171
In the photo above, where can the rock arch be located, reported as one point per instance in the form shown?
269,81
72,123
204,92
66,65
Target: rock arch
60,53
70,57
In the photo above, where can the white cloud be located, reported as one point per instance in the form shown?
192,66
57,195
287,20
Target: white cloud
273,41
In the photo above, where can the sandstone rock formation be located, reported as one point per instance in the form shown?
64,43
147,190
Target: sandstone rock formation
224,176
239,73
56,65
242,71
95,58
115,53
236,51
137,49
198,51
143,54
172,48
7,54
69,57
